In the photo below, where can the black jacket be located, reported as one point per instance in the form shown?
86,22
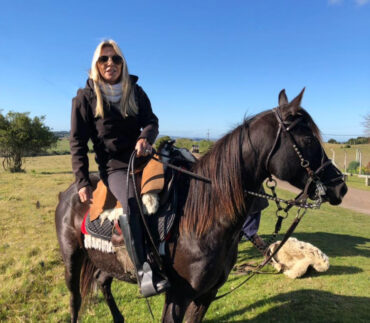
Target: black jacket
114,137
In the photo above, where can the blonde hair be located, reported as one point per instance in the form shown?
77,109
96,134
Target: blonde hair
127,103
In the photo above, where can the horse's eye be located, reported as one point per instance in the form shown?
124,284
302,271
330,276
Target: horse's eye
308,140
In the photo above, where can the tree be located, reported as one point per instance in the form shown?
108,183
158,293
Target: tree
161,140
353,166
367,125
21,136
205,145
332,141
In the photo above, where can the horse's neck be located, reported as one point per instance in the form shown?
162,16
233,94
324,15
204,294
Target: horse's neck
221,208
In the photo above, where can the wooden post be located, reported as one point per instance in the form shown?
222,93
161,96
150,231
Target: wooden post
333,159
360,156
367,181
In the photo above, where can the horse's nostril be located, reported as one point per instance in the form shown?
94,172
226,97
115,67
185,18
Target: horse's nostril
343,189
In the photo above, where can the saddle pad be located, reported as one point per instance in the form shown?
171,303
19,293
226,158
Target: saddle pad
98,229
160,225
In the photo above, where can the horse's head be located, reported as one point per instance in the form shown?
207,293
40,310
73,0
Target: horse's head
297,154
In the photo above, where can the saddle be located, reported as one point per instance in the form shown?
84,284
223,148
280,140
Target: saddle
158,182
152,182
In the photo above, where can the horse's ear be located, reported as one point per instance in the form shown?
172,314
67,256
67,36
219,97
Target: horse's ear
283,99
295,105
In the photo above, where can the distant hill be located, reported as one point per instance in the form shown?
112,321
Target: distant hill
61,134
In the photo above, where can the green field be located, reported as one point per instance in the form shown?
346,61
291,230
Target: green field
357,182
32,279
340,150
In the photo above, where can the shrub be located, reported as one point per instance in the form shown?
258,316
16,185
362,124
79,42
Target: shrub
366,169
353,166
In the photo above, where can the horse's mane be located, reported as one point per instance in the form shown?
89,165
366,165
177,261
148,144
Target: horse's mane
223,200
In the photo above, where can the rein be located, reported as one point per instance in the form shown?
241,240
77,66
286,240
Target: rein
181,170
255,271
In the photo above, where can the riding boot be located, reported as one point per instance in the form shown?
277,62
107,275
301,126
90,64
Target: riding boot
259,243
150,282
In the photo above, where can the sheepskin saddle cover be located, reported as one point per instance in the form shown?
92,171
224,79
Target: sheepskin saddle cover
296,257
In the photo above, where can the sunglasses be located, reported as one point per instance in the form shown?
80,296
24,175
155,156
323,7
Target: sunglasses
116,59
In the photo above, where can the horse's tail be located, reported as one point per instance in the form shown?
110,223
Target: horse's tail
87,278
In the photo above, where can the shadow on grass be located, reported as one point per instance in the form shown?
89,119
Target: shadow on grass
53,173
334,245
304,306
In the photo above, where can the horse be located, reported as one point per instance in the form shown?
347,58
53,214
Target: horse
284,142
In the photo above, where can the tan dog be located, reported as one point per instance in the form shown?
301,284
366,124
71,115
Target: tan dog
294,258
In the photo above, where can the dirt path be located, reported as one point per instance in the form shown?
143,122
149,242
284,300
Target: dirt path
355,199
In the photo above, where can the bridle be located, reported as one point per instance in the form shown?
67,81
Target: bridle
300,200
313,176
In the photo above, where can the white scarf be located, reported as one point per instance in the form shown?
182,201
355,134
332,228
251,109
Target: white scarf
112,93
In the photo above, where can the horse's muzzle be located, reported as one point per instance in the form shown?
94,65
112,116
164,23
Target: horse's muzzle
335,194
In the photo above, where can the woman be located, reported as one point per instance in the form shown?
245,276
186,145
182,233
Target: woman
116,114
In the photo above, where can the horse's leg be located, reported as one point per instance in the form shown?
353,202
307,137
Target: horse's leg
73,265
174,307
105,282
198,308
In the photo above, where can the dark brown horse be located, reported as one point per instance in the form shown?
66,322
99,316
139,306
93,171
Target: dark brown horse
202,253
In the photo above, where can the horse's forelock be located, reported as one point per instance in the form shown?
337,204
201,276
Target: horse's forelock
314,128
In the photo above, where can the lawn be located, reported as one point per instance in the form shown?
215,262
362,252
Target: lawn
357,182
32,278
338,151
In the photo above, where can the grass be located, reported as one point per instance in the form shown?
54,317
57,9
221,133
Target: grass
340,150
357,182
32,273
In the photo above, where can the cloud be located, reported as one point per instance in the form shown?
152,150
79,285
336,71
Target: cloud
362,2
357,2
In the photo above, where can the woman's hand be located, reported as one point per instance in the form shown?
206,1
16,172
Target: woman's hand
85,194
143,147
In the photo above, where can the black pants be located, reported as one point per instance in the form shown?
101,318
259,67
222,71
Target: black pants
117,183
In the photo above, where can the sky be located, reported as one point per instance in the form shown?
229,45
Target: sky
205,65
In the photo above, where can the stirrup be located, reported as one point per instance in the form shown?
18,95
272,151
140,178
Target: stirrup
147,285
